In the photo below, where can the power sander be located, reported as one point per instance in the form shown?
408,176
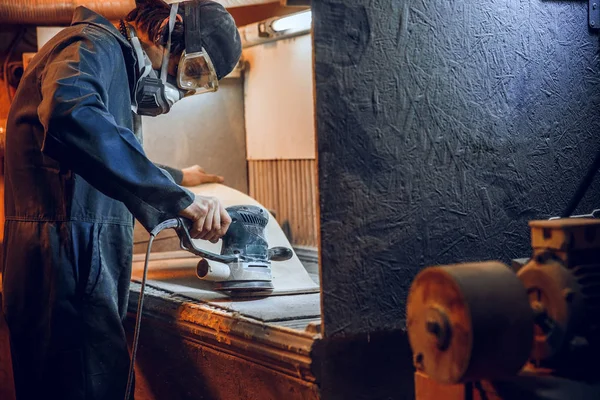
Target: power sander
243,267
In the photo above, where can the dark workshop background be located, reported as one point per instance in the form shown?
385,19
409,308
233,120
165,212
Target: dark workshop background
443,128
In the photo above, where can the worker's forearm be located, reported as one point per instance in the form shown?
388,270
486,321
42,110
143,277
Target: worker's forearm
175,173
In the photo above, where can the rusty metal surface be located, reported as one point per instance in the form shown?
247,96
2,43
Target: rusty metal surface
191,350
51,12
175,363
281,349
461,320
194,351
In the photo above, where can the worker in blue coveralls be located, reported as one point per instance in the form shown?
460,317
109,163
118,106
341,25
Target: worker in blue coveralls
76,176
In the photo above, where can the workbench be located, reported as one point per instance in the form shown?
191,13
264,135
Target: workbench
247,348
200,344
244,350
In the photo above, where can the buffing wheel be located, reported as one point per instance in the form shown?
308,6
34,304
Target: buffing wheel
470,321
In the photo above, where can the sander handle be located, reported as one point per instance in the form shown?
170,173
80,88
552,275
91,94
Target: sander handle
280,253
185,241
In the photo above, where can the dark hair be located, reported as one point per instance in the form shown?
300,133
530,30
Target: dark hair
149,15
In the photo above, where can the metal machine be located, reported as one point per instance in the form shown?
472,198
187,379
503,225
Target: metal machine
487,321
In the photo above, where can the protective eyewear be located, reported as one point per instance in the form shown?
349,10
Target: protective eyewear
196,73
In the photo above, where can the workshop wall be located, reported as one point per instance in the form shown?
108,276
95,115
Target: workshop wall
442,129
280,133
207,130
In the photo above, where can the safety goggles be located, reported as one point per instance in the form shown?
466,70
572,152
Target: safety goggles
196,73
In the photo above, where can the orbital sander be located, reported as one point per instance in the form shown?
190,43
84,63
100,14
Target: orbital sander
244,265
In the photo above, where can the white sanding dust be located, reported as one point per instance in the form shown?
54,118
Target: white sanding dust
175,271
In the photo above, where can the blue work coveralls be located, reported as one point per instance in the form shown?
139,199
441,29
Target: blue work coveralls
75,173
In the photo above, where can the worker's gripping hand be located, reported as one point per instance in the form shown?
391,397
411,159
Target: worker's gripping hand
195,175
209,217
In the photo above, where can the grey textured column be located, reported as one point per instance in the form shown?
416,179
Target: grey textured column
443,127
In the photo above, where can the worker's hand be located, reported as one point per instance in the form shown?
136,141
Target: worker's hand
195,175
209,217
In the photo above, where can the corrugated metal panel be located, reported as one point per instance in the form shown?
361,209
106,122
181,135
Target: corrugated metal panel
288,187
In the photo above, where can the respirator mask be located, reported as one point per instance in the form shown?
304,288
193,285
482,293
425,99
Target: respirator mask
155,95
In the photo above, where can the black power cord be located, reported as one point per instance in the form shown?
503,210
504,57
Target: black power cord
168,224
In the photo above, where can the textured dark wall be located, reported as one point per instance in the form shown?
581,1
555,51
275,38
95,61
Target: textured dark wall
443,127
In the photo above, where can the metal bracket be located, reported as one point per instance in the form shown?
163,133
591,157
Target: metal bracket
594,14
593,214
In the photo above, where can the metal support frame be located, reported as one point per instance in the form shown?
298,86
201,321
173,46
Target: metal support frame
594,14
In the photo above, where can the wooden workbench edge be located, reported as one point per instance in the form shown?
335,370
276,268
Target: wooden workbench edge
283,349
